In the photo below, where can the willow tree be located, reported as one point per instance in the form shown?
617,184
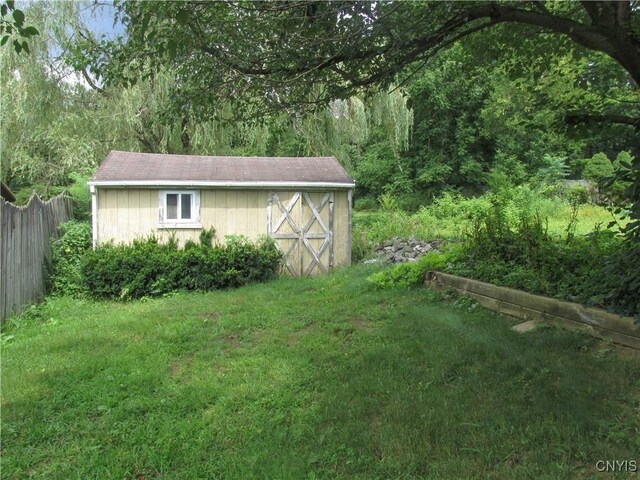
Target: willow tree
276,50
269,54
44,122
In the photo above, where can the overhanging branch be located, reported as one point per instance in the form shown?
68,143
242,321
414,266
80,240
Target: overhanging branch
581,118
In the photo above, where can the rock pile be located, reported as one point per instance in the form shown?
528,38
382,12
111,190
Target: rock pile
399,250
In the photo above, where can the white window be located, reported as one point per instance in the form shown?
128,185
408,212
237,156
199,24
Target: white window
179,209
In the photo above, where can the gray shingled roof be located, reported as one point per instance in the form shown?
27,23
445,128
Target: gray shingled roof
130,167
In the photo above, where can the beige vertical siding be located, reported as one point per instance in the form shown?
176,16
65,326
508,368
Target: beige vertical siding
341,231
129,213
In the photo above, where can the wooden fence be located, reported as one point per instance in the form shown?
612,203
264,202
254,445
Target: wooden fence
24,249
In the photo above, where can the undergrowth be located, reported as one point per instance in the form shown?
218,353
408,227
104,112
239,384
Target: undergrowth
506,240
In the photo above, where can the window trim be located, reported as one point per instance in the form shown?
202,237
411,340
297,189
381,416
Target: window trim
193,222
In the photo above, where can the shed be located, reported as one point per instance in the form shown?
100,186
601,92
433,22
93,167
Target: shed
304,203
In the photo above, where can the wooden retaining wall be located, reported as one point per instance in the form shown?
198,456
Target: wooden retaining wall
527,306
24,249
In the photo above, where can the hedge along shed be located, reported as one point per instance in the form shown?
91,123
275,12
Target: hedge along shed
304,203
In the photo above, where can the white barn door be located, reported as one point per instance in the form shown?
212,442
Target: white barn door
302,225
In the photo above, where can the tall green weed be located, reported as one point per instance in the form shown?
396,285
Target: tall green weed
67,255
504,237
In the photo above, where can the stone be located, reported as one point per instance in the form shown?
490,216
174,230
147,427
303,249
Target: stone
526,326
398,250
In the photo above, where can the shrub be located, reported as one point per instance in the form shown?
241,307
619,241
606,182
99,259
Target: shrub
552,171
147,267
79,193
598,168
388,202
360,247
406,275
365,203
207,236
620,184
378,170
592,269
413,201
45,192
621,280
67,254
578,195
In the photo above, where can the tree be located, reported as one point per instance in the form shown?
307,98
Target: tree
72,125
276,49
267,55
12,25
53,128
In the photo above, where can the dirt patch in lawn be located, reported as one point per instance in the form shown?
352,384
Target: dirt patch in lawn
179,367
293,338
260,334
360,323
209,315
231,340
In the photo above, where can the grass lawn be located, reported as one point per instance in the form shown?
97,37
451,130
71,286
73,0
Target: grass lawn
378,226
318,378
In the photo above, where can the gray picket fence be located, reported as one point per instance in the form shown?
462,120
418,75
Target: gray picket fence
24,249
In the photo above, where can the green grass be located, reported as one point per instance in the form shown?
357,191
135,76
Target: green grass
451,219
318,378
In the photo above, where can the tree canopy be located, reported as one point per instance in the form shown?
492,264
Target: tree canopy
495,97
13,27
268,53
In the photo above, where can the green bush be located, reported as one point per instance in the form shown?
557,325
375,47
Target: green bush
405,275
578,195
621,280
505,239
365,203
378,170
591,269
619,185
207,236
552,170
148,267
79,193
598,168
388,202
67,254
360,246
45,192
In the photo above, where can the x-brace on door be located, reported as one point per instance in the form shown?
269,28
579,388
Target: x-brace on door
302,225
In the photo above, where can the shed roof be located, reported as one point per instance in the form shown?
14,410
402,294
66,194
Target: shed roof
154,169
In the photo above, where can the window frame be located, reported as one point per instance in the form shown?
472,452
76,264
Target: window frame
193,222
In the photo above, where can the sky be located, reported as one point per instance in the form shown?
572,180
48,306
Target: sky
100,20
98,16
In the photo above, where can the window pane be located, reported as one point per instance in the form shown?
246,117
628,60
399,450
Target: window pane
172,206
186,206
